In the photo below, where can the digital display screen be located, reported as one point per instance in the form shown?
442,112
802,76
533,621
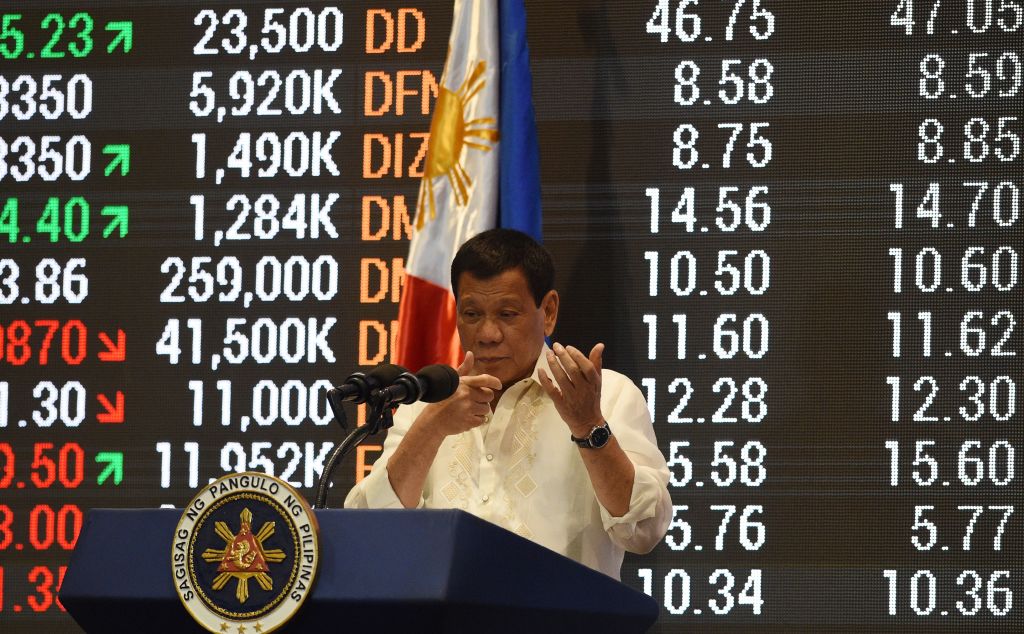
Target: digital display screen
796,225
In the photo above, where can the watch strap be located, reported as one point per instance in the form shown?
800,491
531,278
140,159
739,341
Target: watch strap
587,441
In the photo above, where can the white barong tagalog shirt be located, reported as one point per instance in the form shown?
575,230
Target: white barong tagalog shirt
521,471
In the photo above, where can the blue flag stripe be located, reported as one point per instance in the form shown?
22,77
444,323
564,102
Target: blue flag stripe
519,189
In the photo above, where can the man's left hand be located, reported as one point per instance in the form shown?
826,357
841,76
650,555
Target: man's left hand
576,388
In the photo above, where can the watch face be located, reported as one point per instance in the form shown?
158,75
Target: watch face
600,436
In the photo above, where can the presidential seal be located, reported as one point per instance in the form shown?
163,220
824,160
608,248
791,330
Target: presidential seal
245,554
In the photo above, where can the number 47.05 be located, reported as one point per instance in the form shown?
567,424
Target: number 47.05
904,16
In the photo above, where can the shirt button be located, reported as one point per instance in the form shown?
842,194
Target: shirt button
485,498
490,457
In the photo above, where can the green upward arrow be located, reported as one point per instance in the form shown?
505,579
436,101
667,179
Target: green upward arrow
122,157
115,466
118,221
124,35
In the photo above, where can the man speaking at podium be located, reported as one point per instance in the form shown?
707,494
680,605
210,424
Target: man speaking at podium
541,441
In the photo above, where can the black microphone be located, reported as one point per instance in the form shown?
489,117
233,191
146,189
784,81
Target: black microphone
431,384
358,387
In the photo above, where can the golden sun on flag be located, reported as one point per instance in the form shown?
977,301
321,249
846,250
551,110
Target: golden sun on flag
449,132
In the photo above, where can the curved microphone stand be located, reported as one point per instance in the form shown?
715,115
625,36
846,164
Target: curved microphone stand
378,418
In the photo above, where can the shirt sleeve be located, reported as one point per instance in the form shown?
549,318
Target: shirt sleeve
375,490
650,505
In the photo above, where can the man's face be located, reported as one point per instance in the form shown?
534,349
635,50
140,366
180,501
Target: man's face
502,326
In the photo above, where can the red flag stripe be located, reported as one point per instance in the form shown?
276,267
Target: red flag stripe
426,326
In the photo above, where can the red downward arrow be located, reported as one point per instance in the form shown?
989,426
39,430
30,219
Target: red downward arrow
113,353
113,414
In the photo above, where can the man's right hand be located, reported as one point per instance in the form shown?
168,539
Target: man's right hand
467,408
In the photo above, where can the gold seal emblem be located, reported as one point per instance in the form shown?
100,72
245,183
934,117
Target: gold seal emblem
241,528
244,556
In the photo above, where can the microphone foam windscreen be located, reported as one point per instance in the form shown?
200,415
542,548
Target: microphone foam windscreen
385,374
438,381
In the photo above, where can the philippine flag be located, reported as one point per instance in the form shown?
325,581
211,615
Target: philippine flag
482,170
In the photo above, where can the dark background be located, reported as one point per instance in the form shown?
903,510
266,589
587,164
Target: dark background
844,123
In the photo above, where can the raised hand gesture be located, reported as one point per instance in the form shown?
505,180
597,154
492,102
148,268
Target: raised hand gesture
575,387
470,404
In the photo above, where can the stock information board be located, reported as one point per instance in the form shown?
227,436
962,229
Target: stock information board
796,225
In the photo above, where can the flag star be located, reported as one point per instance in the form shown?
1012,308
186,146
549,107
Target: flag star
259,627
224,626
241,629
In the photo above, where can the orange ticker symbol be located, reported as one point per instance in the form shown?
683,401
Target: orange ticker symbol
449,132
